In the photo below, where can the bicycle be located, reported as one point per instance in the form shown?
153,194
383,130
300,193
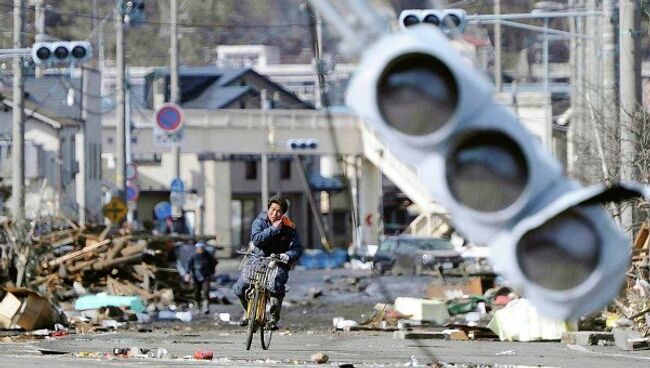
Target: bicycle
260,274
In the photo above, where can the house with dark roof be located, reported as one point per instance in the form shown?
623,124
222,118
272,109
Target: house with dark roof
209,87
62,143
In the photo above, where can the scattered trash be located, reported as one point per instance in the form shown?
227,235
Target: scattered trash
319,358
203,355
341,323
507,352
182,316
519,321
224,317
423,309
52,352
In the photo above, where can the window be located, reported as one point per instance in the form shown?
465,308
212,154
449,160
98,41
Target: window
340,222
251,170
109,140
285,169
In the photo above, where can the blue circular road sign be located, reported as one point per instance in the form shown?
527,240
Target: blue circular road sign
132,193
162,210
169,117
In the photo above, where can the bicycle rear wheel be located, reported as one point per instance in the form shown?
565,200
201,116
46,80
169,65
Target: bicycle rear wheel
252,319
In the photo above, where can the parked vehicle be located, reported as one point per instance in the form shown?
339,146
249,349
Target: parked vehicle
415,255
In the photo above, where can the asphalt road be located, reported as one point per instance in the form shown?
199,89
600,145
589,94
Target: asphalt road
307,331
359,349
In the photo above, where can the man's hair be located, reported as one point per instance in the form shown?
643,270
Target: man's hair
280,201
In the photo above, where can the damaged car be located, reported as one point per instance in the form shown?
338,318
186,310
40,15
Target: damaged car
415,255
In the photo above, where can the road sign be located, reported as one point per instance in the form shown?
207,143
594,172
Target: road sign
131,171
162,210
132,193
177,199
177,185
115,210
169,117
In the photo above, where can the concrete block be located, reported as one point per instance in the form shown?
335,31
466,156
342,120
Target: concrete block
626,338
423,309
587,338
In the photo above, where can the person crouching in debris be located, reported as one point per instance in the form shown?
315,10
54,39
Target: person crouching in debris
272,233
199,269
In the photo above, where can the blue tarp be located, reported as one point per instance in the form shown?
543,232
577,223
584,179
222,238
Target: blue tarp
317,258
134,303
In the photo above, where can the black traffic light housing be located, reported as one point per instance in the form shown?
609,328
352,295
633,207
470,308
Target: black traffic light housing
61,53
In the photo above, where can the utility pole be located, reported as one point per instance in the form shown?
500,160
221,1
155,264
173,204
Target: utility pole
498,77
39,15
265,105
18,139
548,112
120,170
575,132
174,82
630,92
609,94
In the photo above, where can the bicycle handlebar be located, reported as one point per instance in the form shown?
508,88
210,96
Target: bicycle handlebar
271,257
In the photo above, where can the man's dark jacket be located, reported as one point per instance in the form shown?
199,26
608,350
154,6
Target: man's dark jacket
269,240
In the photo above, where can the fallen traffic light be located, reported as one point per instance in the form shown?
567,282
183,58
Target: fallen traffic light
499,184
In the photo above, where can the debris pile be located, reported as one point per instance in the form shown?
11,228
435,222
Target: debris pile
77,262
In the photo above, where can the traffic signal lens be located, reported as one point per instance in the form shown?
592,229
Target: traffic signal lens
417,94
61,52
432,19
43,53
452,20
487,172
562,253
410,20
78,52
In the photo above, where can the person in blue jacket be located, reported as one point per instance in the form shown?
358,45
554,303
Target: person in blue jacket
272,233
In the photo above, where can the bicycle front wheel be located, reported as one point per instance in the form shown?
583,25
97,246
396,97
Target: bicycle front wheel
265,337
252,319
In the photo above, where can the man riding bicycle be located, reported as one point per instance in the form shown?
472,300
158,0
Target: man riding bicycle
272,233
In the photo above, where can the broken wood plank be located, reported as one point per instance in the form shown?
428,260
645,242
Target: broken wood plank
104,233
105,264
79,253
118,245
134,249
80,265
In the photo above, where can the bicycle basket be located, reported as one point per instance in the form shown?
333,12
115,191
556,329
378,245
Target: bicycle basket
255,270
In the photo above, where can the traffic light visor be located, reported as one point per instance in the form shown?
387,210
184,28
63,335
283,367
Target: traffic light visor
417,94
486,171
410,20
79,52
43,53
562,253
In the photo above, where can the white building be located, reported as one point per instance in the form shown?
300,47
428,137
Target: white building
62,144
